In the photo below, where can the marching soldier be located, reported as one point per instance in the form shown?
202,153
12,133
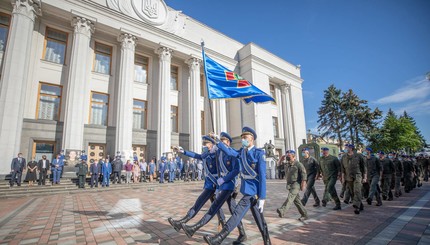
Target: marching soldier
229,169
408,173
296,176
330,170
312,170
354,173
253,186
387,175
210,184
374,174
398,167
420,173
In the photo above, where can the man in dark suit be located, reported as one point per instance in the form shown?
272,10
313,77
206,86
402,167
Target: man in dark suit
94,171
16,168
43,166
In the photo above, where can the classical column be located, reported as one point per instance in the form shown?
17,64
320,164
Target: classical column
14,78
76,94
221,116
124,110
286,114
194,99
163,118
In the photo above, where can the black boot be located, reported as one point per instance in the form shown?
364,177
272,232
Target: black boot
242,235
177,223
190,230
216,240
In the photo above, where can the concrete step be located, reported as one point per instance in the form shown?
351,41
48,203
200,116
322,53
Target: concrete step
71,188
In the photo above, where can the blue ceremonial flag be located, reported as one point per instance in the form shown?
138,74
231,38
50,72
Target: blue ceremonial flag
225,84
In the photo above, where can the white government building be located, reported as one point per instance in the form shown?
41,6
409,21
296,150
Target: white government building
126,75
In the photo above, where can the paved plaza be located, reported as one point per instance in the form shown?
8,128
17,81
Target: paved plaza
139,216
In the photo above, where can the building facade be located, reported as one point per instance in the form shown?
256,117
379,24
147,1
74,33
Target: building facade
110,75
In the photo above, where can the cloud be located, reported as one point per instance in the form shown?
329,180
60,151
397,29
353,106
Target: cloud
412,91
416,108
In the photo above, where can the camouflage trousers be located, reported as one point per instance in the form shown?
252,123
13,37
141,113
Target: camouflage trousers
355,187
293,197
330,190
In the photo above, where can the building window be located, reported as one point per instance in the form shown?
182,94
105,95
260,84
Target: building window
99,108
140,69
273,92
4,30
275,127
202,85
139,114
202,119
49,102
174,78
174,118
55,46
103,58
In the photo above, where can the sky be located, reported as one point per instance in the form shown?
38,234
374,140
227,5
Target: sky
379,49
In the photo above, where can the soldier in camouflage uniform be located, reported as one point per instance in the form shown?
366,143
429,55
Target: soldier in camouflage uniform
398,166
312,170
330,170
421,161
408,173
354,172
374,174
295,174
387,174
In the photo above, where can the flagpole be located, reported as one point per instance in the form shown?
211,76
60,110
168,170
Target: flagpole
207,87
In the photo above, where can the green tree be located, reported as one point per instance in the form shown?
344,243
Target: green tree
331,117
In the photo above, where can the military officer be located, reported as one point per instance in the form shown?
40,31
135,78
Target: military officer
387,175
253,186
330,171
408,173
82,168
398,167
210,185
229,169
312,170
296,176
354,173
374,170
421,161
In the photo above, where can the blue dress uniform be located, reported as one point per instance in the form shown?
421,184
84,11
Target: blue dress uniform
253,188
172,170
162,168
106,171
209,187
229,169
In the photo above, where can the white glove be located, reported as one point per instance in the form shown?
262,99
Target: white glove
179,149
220,181
215,136
260,205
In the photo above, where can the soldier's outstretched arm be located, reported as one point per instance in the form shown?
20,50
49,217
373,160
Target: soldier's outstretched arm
227,150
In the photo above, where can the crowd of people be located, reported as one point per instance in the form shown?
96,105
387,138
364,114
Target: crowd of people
106,170
365,176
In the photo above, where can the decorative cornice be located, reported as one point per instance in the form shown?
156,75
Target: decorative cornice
28,8
128,41
83,26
